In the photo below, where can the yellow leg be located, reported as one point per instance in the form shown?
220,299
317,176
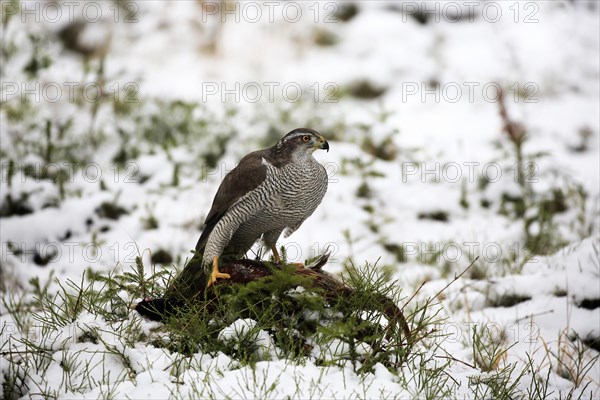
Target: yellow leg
278,259
216,274
275,254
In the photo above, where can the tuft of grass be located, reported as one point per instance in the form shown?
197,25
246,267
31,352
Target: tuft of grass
508,300
20,206
385,149
498,384
432,381
365,90
438,215
325,38
364,191
487,345
572,360
346,11
110,210
150,222
397,250
161,256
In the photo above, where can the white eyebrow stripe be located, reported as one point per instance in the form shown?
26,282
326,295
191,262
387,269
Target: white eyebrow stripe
294,135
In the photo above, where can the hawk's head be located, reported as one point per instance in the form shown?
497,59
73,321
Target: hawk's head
303,140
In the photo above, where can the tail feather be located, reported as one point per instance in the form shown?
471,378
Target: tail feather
191,281
201,243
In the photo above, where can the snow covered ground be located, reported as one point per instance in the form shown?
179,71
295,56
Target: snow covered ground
118,123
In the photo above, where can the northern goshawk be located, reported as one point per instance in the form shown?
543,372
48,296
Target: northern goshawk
269,192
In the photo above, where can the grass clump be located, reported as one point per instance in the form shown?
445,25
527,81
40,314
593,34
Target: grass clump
293,318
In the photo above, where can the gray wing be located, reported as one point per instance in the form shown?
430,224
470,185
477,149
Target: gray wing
245,177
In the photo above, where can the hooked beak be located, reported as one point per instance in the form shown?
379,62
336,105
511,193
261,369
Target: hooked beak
324,144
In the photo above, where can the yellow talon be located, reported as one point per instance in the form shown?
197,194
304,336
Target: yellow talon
216,274
277,258
276,254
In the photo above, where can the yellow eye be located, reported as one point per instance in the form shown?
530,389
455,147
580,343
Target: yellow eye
305,138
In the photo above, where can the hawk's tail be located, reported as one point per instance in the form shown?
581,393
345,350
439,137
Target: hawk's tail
191,280
201,244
